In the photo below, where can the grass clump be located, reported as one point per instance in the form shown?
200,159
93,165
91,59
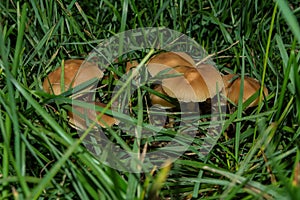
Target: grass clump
42,157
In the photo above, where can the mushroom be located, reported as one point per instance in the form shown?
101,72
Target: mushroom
75,73
194,84
232,84
79,115
227,81
163,61
131,64
166,60
158,101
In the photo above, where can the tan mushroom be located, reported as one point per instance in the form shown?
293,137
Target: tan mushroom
193,84
158,101
75,73
131,64
166,60
228,80
80,116
232,84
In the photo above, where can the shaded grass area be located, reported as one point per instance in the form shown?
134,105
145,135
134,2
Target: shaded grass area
41,155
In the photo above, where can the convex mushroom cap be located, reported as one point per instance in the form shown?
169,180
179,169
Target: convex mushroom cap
190,83
232,84
75,73
166,60
162,61
82,117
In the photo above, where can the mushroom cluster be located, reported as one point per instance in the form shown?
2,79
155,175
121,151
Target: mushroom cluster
180,78
196,83
185,81
72,74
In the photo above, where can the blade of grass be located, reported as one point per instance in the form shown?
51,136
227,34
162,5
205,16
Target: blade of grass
297,84
239,110
84,16
6,133
73,145
266,58
13,120
19,44
290,18
159,181
123,25
291,62
232,176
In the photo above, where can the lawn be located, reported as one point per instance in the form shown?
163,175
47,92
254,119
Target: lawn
255,154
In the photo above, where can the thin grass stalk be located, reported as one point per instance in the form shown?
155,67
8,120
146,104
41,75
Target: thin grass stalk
290,18
266,58
239,111
290,63
123,25
19,44
6,133
12,120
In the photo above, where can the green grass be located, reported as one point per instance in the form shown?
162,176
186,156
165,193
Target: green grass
42,156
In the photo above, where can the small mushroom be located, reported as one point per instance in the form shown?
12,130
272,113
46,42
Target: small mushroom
131,64
166,60
228,80
232,84
75,73
181,62
80,116
194,84
158,101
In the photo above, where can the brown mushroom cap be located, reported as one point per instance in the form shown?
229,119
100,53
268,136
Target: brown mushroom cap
75,73
79,120
158,101
131,64
166,60
251,86
194,84
228,80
